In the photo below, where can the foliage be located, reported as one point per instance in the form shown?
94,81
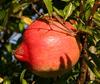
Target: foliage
83,14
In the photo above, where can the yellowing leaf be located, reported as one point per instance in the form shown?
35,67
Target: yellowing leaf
26,20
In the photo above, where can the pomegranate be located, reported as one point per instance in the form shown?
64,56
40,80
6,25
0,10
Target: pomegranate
47,49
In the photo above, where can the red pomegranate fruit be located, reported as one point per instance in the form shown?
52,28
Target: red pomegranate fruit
47,49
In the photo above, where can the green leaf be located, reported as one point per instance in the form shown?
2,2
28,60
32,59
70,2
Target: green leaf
98,48
68,10
91,2
2,14
87,13
94,58
65,0
84,29
18,7
97,16
96,22
21,26
6,81
22,75
5,18
8,47
24,81
90,41
24,5
98,45
59,12
48,4
98,52
93,68
96,33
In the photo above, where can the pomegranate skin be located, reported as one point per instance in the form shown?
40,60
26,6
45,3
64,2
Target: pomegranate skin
47,49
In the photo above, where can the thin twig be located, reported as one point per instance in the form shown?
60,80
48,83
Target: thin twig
35,10
82,76
61,21
93,10
81,7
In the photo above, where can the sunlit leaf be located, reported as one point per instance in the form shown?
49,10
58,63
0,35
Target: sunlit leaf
65,0
21,26
76,3
97,16
48,4
91,2
96,22
68,10
59,12
22,75
85,30
26,20
6,81
87,13
18,7
8,47
93,68
24,5
24,81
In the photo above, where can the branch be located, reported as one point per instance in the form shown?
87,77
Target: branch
84,68
93,10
